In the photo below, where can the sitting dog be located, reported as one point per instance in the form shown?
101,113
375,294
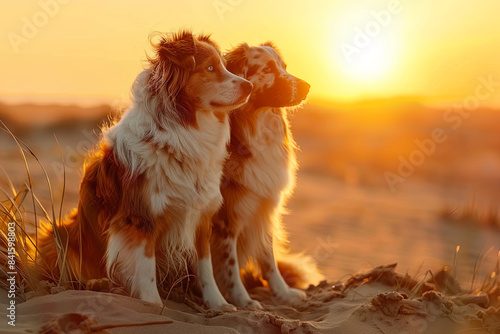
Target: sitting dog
150,190
259,176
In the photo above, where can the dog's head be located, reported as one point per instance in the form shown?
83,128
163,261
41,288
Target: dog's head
187,74
264,67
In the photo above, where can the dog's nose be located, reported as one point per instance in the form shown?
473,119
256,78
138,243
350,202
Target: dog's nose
246,87
303,87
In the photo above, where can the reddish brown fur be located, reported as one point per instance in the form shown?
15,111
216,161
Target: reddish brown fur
108,200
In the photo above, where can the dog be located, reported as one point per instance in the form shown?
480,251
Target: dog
259,177
151,188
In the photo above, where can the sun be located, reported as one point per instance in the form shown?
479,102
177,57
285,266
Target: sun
363,49
370,63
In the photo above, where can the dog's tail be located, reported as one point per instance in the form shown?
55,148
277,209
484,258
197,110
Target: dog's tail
68,253
298,269
58,258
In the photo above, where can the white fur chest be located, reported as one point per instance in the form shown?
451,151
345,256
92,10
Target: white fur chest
270,170
189,173
183,166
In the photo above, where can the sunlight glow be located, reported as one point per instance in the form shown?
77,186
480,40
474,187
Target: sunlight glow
346,50
371,62
365,56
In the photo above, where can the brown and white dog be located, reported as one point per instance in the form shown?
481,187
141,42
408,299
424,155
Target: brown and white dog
259,176
150,191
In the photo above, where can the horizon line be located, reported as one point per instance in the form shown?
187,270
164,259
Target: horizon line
123,101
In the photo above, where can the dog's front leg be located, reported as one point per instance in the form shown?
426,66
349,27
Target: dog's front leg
211,294
232,278
130,260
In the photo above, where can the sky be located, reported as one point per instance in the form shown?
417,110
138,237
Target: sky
75,50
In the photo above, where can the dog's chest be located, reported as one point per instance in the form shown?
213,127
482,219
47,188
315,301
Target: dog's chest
269,169
182,181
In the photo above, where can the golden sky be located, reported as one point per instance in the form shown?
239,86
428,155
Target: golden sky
345,49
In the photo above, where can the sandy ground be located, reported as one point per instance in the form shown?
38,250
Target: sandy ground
379,301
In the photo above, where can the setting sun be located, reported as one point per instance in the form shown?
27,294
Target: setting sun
371,63
364,47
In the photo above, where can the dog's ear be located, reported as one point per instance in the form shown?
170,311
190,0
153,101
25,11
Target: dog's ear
272,45
236,59
179,49
168,74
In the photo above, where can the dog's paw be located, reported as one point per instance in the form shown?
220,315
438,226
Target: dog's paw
241,299
101,284
217,302
223,307
252,304
248,303
291,296
152,298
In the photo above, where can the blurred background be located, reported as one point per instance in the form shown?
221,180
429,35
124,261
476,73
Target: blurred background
400,138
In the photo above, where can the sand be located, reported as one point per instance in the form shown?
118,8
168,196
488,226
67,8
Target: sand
378,301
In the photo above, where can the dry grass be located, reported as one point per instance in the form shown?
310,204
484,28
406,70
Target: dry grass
445,280
471,214
15,206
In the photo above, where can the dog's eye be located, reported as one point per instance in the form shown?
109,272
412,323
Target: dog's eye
210,68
